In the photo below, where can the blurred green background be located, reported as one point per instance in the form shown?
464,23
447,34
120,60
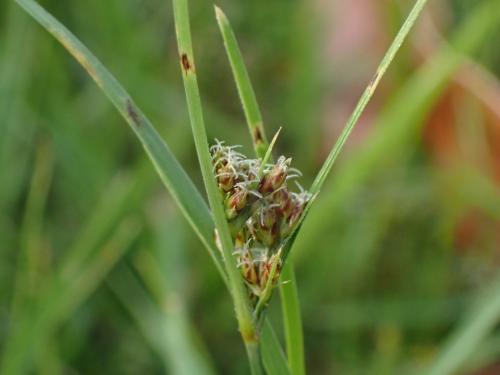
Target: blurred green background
399,243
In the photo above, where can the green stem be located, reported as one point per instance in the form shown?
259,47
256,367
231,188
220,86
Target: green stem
294,336
254,358
237,288
367,95
292,313
358,111
273,357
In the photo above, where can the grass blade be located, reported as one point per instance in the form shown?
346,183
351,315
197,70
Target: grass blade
402,120
237,288
292,317
487,354
268,154
170,171
360,107
367,95
358,110
272,354
245,90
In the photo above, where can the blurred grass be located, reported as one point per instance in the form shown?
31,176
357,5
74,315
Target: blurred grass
381,265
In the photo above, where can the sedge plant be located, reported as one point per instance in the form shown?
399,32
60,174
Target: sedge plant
254,212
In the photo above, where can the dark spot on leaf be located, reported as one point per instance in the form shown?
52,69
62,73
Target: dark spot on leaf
374,79
249,336
186,64
257,135
132,114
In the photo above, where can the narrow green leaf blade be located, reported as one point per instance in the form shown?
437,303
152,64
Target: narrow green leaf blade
294,314
401,120
272,354
292,317
360,107
170,171
245,90
237,288
367,95
268,156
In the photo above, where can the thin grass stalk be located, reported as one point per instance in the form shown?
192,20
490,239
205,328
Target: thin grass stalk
292,321
360,107
358,111
367,95
401,121
273,357
239,294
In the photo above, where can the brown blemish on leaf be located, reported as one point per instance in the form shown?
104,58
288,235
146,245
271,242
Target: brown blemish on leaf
132,114
374,79
257,135
186,64
249,336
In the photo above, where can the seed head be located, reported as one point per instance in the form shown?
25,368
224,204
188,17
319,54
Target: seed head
263,225
236,201
266,268
275,178
267,211
247,266
283,198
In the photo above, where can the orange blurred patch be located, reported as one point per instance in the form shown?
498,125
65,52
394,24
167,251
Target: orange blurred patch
450,147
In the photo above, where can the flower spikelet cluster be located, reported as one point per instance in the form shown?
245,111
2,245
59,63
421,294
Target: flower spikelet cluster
260,208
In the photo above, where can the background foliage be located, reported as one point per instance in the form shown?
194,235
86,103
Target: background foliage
403,237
